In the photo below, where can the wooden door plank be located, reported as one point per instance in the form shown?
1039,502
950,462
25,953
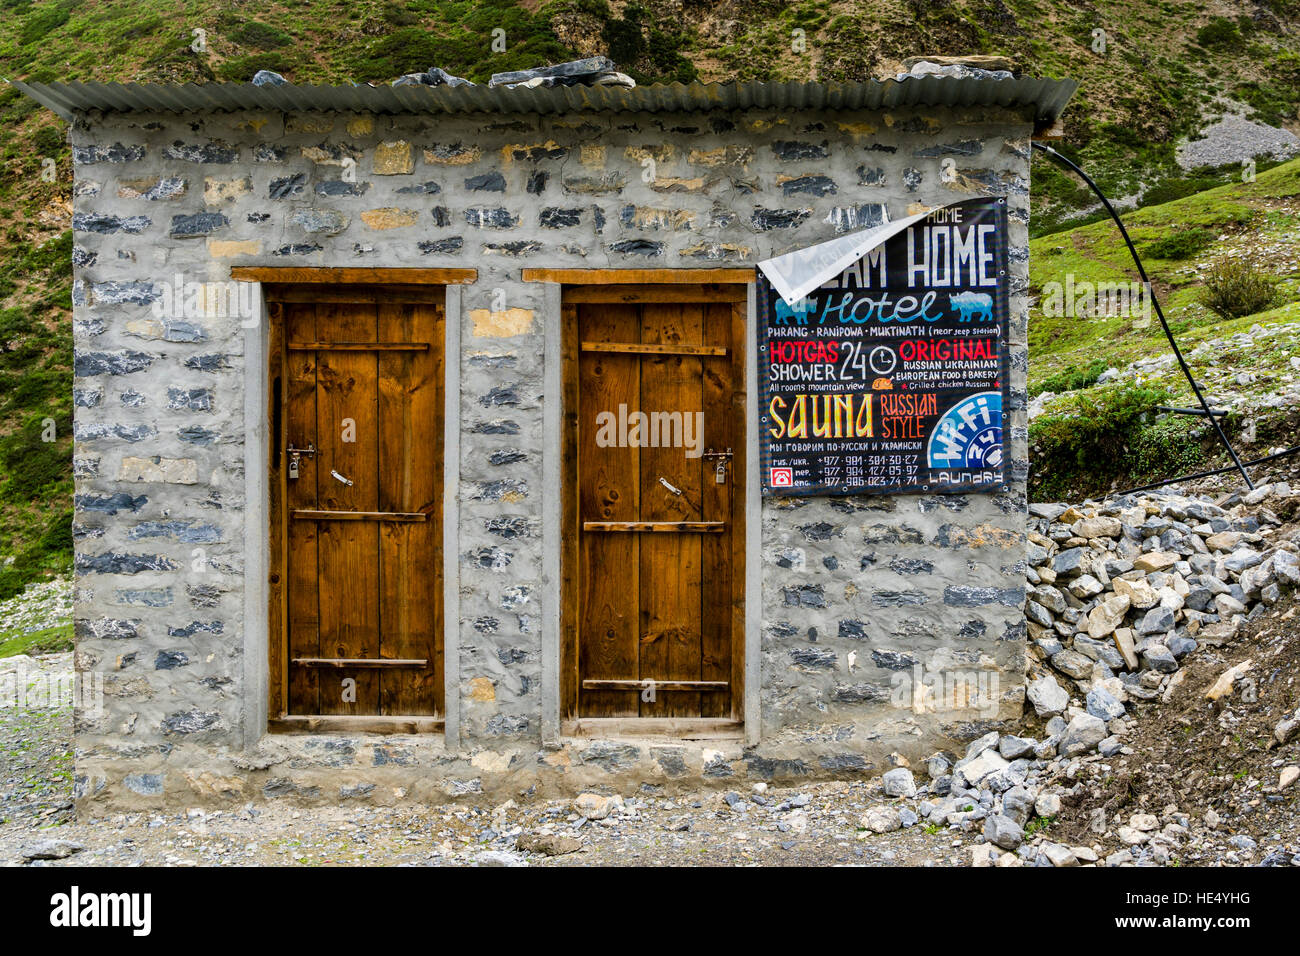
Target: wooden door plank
410,408
350,662
277,584
609,491
657,527
398,516
654,349
348,442
664,685
739,472
671,491
570,554
332,724
359,346
715,552
301,574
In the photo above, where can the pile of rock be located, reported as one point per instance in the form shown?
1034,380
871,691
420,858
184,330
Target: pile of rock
1120,593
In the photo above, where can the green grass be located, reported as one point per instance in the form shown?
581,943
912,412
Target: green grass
1091,436
1165,65
1096,253
47,641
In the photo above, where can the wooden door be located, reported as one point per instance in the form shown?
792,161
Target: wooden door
658,495
360,468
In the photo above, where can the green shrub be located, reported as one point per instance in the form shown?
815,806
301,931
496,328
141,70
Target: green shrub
1233,289
1072,378
1088,442
48,140
1168,447
42,22
1180,244
31,465
260,36
1219,34
242,69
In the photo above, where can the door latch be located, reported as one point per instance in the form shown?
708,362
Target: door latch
295,457
720,467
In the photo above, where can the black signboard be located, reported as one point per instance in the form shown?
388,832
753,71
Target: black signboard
892,376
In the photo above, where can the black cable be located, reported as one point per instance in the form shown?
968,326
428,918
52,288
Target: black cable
1211,473
1146,283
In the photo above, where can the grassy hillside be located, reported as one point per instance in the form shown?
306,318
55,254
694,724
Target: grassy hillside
1165,63
1250,363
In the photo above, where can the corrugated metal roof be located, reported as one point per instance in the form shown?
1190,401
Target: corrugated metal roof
1048,97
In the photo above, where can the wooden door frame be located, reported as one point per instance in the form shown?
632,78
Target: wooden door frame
277,287
567,288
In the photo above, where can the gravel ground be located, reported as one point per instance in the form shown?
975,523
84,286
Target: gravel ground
815,826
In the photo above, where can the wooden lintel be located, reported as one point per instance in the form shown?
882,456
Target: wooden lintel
361,662
680,527
658,685
608,276
358,346
328,723
633,348
331,276
402,517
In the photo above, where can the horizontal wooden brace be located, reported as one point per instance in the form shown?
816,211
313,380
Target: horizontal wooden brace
358,346
331,276
406,517
638,349
344,724
658,685
278,293
362,662
608,276
633,293
669,527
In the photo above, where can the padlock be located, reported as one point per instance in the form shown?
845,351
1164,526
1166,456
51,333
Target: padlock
293,467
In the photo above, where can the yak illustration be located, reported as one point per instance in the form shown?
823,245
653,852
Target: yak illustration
978,305
799,311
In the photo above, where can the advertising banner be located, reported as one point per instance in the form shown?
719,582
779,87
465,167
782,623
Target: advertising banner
891,376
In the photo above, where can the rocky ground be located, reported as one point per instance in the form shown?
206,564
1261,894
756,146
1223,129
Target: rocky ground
1162,727
1234,139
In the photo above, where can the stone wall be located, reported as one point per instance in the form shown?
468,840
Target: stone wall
860,595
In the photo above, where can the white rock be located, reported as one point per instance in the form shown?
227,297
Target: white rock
1060,855
882,819
899,783
1048,697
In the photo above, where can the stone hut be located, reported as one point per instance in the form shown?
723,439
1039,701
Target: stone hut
366,504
